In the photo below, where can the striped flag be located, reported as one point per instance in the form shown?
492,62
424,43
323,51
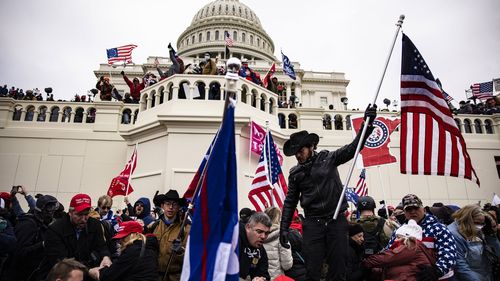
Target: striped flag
211,248
361,189
227,38
123,53
431,143
269,185
482,91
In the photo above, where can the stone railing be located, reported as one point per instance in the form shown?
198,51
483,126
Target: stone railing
206,87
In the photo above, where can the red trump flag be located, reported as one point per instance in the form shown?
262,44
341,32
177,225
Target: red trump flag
120,185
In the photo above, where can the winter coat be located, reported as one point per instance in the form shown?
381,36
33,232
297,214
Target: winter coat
131,266
317,183
30,233
279,258
145,216
135,90
210,68
105,89
253,261
166,234
472,263
355,255
437,237
400,263
61,242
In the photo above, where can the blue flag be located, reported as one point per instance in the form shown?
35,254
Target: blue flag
351,196
288,67
212,245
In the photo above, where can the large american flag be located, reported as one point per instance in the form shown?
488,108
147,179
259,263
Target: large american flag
482,90
229,41
269,186
361,189
122,53
431,143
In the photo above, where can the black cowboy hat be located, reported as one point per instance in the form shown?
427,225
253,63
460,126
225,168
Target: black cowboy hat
171,195
299,140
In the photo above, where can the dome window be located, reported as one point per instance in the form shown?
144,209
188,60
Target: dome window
216,35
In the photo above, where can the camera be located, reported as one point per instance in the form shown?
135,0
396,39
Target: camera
16,189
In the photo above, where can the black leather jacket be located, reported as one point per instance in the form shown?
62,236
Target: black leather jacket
317,183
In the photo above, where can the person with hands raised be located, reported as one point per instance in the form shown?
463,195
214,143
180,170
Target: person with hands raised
135,87
316,183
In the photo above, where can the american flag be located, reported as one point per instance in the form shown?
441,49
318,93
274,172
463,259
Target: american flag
361,189
123,53
269,186
431,143
482,90
229,41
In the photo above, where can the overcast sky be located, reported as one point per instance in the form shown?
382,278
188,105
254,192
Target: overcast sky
59,43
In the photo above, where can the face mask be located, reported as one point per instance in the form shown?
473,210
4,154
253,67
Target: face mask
479,226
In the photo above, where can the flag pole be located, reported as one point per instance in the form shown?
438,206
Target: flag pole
130,176
363,132
232,79
383,191
250,145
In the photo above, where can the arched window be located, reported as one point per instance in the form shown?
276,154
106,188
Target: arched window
281,120
337,120
348,122
78,115
30,112
216,35
214,91
271,105
459,124
477,126
54,114
258,42
90,115
244,91
42,114
243,37
488,126
208,35
263,102
327,122
235,36
192,39
251,39
292,121
16,116
199,37
467,126
187,41
66,114
126,116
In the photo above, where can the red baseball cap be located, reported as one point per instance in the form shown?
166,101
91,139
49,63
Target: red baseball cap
81,202
128,227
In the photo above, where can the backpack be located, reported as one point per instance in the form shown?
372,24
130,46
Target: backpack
372,239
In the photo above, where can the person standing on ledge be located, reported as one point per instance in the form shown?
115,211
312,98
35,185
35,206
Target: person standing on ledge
315,181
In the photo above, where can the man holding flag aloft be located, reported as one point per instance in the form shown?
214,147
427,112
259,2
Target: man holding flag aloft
315,181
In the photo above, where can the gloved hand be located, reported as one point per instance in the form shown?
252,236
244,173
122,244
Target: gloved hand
122,73
371,112
177,247
428,273
284,238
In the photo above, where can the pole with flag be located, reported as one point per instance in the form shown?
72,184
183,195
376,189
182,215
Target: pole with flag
213,239
229,43
269,75
363,132
431,143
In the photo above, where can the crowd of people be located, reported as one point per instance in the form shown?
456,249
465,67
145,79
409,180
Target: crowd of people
489,107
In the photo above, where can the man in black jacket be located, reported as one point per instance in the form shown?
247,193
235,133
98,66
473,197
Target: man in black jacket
75,235
30,231
315,181
253,256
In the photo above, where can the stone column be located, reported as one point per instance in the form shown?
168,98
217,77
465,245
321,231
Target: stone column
207,89
257,101
288,92
298,93
35,115
72,117
60,115
84,120
286,121
249,98
23,114
266,105
157,98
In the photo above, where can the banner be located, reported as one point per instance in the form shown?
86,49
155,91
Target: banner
120,185
376,151
258,135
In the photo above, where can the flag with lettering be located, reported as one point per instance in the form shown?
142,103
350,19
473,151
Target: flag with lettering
288,67
482,91
211,248
122,53
376,150
269,186
257,141
120,185
431,143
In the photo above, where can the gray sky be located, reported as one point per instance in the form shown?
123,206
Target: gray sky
59,43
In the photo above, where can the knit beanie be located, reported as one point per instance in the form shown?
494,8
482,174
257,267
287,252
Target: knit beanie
355,229
411,229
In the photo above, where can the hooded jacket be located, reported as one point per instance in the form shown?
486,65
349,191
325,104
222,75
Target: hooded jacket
146,214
